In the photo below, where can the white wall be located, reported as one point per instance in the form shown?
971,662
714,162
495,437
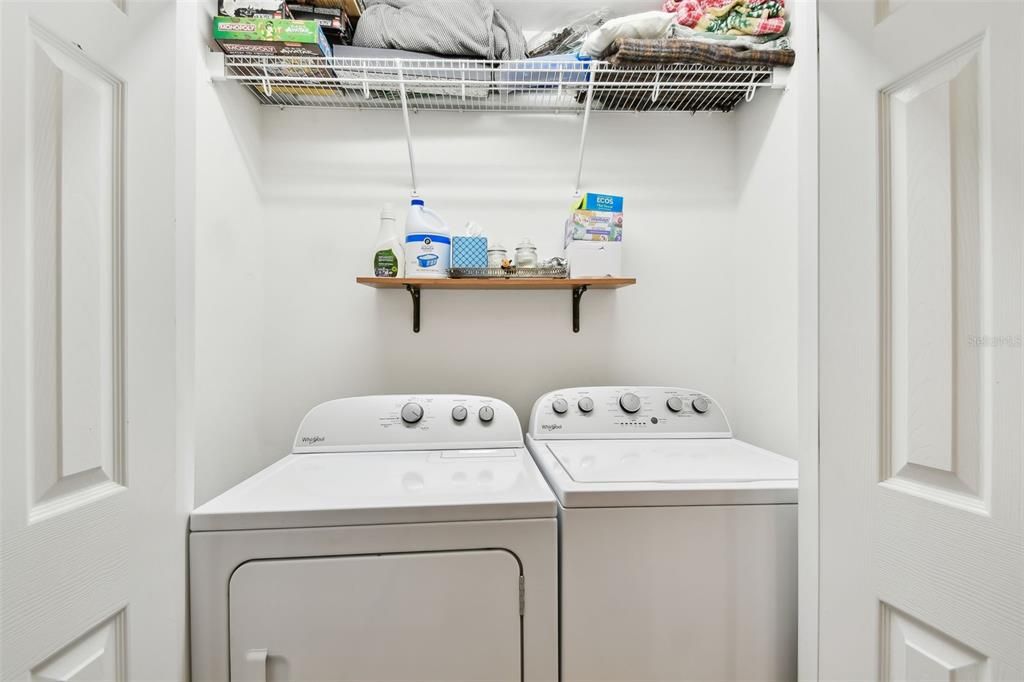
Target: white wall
327,337
229,281
767,257
288,212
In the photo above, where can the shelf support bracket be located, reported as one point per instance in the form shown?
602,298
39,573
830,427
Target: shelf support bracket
577,296
408,128
586,122
414,291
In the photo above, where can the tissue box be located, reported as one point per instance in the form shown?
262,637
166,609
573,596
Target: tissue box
594,259
469,252
595,217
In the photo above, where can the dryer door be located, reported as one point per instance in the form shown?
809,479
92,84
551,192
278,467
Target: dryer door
430,616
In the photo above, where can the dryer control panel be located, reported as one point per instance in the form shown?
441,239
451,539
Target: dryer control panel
408,422
610,412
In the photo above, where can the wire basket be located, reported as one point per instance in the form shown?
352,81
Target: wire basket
509,273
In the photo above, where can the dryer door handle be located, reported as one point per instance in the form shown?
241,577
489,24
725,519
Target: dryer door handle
254,669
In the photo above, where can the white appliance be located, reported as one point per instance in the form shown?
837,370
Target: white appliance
404,538
678,542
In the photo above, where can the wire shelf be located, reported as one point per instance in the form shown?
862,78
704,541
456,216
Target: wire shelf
525,86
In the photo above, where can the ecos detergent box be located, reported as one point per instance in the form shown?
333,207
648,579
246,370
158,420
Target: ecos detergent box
595,217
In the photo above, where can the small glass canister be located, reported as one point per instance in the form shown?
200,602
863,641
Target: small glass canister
526,254
496,253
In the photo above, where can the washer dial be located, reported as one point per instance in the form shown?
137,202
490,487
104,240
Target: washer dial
412,413
675,404
700,405
486,413
586,404
629,402
459,413
560,406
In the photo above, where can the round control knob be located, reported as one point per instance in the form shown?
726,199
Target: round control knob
411,413
700,405
560,406
459,413
629,402
586,404
675,404
486,413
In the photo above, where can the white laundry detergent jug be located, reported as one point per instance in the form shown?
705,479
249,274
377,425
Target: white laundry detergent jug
428,242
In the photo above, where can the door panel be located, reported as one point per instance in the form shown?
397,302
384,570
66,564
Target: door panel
444,616
92,478
921,374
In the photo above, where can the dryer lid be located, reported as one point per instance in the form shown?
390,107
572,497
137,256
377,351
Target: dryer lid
352,488
681,461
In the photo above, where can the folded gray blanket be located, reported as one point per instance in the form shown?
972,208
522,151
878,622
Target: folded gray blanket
463,28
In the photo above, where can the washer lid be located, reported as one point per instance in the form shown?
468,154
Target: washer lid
665,473
345,489
671,461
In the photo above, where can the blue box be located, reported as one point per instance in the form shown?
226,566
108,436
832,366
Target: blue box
608,203
469,252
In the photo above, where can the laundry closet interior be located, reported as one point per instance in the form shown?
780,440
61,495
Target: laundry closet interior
719,224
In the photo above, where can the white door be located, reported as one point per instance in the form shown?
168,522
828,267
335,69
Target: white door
922,224
93,487
431,616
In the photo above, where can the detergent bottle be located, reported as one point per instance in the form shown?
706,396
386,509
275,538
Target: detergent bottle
428,242
388,255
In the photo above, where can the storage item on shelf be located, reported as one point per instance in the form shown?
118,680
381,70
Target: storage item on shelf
511,272
270,37
568,38
526,254
496,255
427,242
333,21
749,17
388,253
267,9
376,70
595,217
542,72
470,250
464,28
633,52
642,25
594,259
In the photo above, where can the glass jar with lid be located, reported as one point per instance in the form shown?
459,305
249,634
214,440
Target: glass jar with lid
526,254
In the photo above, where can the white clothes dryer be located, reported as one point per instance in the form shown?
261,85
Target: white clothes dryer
404,538
677,541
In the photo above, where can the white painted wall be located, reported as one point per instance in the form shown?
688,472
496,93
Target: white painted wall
327,337
229,281
288,212
769,137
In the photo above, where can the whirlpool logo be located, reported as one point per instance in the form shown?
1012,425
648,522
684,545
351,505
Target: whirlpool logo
312,440
550,427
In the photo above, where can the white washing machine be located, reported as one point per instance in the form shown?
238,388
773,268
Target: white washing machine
404,538
677,542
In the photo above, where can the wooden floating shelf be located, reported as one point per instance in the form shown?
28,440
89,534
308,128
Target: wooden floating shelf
511,283
413,285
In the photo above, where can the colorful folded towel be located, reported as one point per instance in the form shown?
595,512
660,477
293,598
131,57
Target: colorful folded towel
734,17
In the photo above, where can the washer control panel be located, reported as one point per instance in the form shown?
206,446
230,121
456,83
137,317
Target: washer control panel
627,412
408,422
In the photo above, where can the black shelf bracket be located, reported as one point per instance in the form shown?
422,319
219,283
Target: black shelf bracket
577,296
414,291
